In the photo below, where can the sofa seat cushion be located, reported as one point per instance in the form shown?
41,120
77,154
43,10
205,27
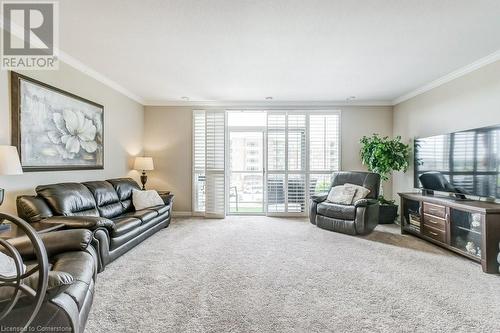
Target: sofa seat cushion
161,209
116,242
144,215
337,211
160,218
81,266
124,225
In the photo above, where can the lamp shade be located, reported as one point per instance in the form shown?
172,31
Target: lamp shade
9,161
144,163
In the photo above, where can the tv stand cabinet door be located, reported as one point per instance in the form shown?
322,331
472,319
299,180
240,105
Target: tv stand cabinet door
490,243
448,226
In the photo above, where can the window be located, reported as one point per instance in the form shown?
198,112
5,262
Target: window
299,149
303,149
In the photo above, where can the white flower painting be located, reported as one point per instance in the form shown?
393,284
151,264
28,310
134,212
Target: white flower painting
58,130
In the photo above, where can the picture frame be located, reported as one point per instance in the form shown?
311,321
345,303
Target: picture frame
55,130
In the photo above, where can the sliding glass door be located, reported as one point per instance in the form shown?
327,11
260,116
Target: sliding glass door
245,192
246,172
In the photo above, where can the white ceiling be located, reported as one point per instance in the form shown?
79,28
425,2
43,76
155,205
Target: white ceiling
307,50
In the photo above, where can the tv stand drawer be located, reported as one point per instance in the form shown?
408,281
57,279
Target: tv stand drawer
436,210
434,222
435,234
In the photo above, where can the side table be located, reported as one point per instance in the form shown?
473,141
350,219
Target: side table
167,196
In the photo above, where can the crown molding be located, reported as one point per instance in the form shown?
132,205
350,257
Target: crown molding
265,103
18,31
495,56
78,65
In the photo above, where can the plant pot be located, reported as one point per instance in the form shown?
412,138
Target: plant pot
388,214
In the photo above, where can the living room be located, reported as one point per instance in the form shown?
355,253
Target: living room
250,166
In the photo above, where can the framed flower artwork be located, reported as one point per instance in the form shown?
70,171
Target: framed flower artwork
53,129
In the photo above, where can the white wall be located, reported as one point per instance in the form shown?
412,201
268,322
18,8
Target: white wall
123,121
470,101
168,139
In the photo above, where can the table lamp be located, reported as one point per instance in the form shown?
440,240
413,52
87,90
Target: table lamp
9,164
144,164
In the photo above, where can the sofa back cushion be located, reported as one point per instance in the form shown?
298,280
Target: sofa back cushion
124,187
68,199
106,198
32,208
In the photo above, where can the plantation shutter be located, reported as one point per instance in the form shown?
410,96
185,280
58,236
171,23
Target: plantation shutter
199,161
324,150
286,162
214,164
296,166
324,142
276,165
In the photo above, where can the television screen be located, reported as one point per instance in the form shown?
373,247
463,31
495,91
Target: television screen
468,160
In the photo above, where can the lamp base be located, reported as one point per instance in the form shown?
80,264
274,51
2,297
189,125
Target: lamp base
144,180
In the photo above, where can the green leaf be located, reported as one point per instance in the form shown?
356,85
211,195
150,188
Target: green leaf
384,155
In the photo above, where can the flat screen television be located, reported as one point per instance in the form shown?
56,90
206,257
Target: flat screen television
466,162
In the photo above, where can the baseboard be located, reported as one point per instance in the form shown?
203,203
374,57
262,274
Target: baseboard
181,214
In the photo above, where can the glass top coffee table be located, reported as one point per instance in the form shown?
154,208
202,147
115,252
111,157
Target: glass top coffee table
40,227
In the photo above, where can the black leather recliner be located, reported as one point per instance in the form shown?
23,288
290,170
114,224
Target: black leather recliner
104,207
360,218
72,275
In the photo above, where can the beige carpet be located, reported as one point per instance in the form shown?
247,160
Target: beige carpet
258,274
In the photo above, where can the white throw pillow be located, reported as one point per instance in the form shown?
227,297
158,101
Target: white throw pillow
8,266
361,192
146,199
341,195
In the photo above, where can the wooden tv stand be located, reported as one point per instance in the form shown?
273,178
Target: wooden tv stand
467,227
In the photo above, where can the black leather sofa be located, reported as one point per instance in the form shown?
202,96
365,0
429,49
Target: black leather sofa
360,218
72,275
104,207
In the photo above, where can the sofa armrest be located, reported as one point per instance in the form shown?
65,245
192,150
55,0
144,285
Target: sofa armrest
367,215
365,202
57,283
81,222
320,197
55,242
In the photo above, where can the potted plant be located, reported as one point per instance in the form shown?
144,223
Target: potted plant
384,155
